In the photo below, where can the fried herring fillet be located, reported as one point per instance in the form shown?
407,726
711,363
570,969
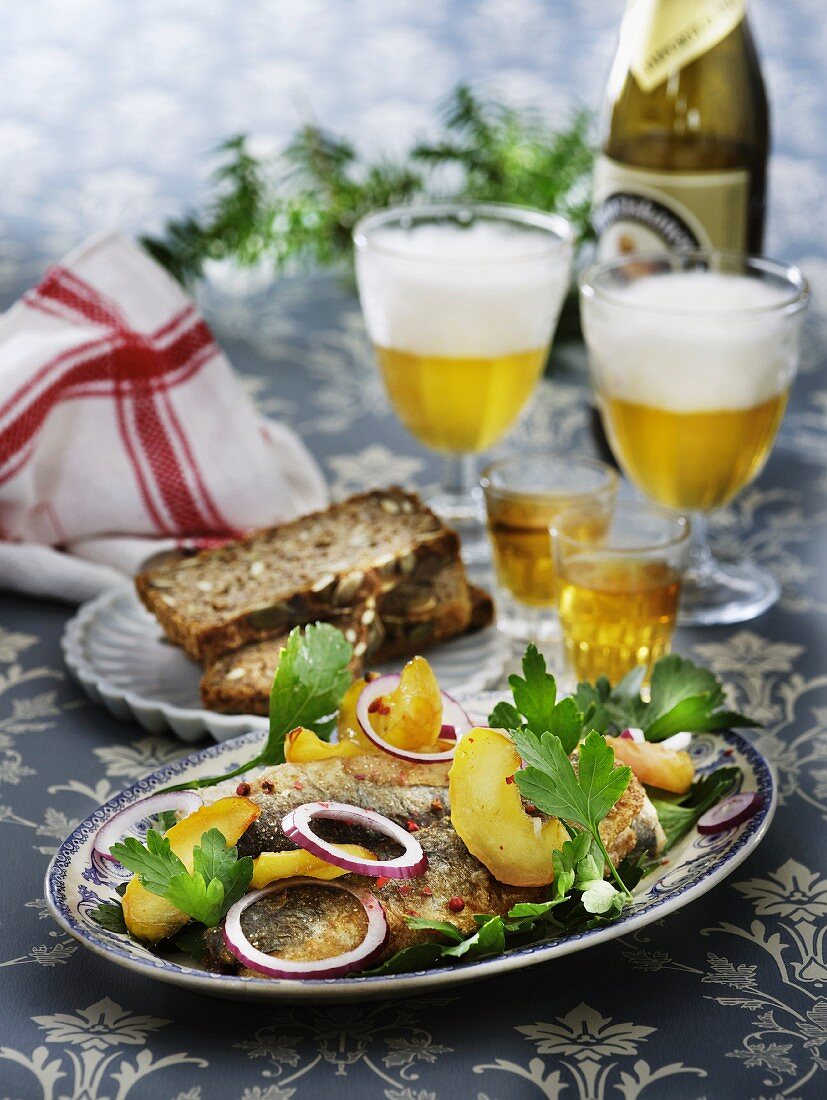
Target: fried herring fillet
310,922
409,792
400,791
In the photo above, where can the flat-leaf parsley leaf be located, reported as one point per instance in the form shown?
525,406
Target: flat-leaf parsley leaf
536,709
683,697
583,797
312,676
218,878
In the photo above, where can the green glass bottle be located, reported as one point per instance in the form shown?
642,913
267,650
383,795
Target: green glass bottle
685,132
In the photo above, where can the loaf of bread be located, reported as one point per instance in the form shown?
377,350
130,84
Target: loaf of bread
318,567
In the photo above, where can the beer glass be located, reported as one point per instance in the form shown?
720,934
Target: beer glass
460,303
692,356
524,493
618,584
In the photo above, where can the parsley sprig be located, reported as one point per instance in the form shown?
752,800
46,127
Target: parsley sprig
546,732
578,797
535,706
217,880
683,696
313,675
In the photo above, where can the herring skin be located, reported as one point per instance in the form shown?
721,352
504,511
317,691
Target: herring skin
307,922
398,790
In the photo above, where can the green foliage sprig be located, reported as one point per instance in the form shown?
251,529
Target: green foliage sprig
298,208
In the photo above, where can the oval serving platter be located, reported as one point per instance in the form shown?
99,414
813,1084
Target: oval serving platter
75,883
117,652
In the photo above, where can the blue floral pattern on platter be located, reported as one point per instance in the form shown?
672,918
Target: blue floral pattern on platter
696,865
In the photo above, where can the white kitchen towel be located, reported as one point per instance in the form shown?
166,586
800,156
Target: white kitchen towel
124,430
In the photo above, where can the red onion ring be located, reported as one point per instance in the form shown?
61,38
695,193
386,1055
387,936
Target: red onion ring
731,812
633,735
452,716
118,826
678,742
296,826
335,967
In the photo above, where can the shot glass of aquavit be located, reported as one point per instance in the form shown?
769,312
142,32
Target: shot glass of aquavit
460,303
618,586
692,356
524,493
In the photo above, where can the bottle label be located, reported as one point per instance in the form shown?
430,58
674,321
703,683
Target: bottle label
639,210
660,38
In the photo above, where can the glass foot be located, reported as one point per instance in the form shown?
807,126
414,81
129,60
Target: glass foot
526,624
726,592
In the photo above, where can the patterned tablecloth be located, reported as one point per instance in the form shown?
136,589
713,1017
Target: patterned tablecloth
727,999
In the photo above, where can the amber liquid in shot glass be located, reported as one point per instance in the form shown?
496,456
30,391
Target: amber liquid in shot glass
618,588
524,495
616,615
522,550
521,545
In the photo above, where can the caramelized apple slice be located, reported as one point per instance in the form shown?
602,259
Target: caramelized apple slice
150,917
655,765
270,866
347,724
487,812
302,745
411,718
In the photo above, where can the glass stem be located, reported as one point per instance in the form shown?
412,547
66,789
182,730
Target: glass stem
459,503
701,562
459,497
459,478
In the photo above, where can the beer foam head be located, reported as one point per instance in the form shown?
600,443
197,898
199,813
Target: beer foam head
692,341
442,289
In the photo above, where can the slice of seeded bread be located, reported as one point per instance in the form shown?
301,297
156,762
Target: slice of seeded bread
240,682
317,566
415,613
